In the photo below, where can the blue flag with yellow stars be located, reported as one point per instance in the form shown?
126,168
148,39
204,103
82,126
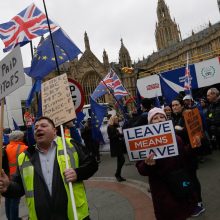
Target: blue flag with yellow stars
98,112
79,118
44,60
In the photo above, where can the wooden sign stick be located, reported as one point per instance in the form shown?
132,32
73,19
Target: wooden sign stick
1,135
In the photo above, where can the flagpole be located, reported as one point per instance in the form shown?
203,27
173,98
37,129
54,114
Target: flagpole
32,52
188,71
70,184
51,37
1,134
63,138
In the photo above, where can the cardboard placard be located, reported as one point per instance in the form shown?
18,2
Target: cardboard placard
156,138
194,128
11,72
57,101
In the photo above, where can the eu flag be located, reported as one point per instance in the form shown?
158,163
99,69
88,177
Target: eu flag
79,118
98,112
44,60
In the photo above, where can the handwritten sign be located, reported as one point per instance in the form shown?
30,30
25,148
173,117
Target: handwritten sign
11,73
156,138
193,123
57,101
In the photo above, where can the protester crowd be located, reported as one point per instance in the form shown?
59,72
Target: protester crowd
36,167
169,204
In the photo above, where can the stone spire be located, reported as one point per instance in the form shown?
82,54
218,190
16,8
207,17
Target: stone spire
86,40
167,31
105,60
162,11
124,56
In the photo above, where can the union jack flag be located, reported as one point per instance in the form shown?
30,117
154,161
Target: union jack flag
187,82
27,25
111,83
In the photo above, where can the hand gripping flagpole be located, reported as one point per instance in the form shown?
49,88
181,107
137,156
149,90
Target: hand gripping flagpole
61,127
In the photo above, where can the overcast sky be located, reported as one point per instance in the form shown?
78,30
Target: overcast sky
107,21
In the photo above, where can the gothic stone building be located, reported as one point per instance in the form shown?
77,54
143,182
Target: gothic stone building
172,49
171,54
88,70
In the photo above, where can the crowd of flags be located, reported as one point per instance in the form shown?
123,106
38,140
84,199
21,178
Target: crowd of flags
31,23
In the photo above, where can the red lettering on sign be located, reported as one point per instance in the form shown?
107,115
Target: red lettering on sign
153,86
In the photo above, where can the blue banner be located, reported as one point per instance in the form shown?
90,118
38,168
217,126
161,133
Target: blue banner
177,76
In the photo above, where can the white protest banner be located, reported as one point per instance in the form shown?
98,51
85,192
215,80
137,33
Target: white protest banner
208,72
57,101
156,138
149,87
12,72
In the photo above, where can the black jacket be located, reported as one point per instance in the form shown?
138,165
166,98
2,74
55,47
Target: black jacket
213,115
51,207
117,144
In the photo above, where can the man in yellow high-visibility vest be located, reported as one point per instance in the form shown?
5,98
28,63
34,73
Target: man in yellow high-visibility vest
43,178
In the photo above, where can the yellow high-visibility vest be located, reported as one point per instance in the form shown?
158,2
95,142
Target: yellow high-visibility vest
27,174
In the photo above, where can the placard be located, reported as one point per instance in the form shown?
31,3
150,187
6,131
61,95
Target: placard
149,87
156,138
194,128
57,101
11,73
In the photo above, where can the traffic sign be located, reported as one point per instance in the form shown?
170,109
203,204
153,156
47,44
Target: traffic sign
77,94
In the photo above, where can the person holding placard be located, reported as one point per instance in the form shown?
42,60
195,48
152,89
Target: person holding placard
43,178
171,201
180,128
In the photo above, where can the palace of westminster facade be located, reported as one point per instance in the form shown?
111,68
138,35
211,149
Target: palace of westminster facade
171,54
